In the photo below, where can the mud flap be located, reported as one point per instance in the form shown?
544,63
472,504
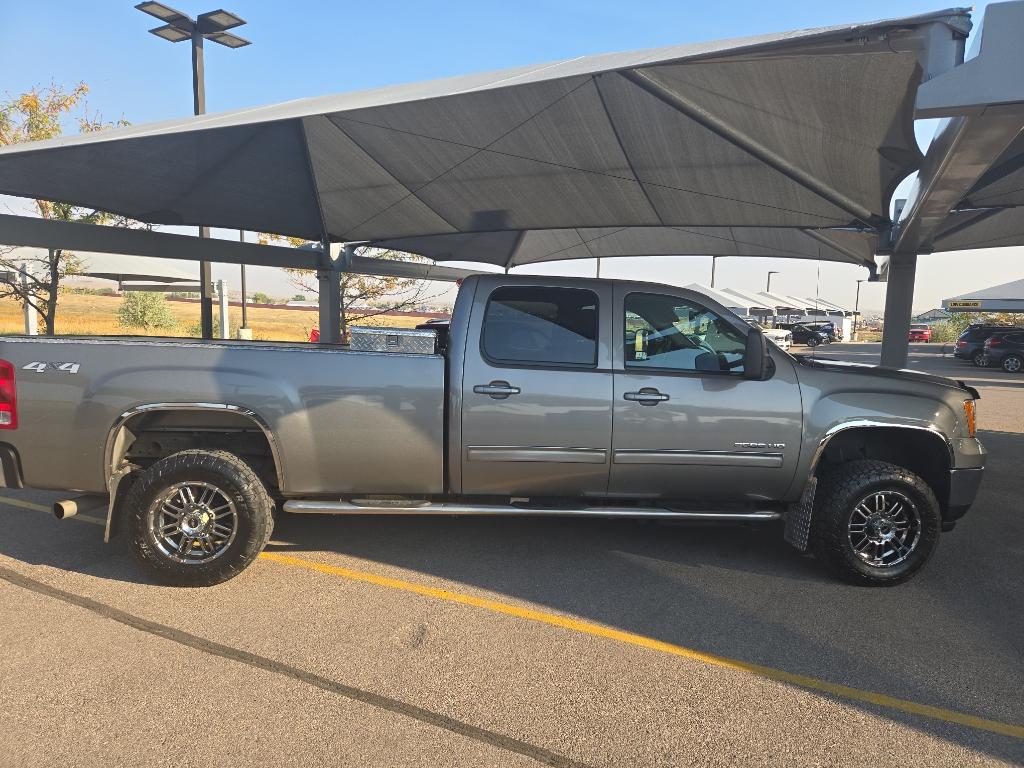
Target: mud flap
113,484
798,518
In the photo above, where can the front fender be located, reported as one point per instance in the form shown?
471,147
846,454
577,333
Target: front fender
833,414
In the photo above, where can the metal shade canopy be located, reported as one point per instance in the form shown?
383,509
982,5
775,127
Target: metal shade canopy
783,145
1008,297
730,301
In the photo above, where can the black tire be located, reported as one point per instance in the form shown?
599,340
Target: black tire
841,491
1013,364
980,359
250,516
813,342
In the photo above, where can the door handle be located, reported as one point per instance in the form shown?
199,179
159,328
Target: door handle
498,390
646,396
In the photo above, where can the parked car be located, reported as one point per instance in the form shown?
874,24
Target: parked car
555,396
834,332
920,332
804,333
1006,349
780,337
971,343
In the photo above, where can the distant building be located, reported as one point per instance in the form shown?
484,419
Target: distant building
932,316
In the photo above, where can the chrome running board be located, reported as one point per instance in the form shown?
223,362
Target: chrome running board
428,508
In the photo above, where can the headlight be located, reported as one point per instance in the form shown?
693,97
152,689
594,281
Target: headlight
970,414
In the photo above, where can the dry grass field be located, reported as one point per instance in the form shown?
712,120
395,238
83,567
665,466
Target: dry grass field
83,314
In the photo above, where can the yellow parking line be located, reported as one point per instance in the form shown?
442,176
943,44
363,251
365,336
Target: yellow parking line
597,630
40,508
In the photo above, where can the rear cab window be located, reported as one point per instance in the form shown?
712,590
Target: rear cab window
542,326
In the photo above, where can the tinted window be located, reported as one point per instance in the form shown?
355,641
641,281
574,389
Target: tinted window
541,325
669,332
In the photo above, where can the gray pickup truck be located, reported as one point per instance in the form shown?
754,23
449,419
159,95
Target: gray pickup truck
544,396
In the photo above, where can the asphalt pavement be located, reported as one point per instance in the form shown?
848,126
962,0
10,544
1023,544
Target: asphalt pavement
486,642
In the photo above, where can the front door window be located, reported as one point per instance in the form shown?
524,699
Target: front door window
669,333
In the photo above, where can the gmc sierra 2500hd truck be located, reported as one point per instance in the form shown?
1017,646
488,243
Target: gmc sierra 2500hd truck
546,396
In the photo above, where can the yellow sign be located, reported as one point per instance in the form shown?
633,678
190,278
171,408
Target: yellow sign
963,304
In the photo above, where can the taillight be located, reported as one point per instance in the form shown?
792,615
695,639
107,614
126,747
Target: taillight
993,342
8,397
961,344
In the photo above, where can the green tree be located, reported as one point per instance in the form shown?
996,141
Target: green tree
260,298
33,116
299,297
949,330
146,310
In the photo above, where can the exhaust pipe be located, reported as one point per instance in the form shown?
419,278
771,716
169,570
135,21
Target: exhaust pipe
71,507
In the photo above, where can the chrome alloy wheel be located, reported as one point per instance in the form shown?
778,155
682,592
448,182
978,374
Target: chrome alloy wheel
884,528
193,522
1012,364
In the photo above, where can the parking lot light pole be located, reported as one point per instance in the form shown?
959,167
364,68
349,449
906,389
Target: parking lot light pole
856,309
768,285
714,261
245,318
178,27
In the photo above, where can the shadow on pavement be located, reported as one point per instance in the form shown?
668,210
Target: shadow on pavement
949,638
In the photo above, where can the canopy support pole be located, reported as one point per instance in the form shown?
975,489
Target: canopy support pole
205,292
329,279
899,298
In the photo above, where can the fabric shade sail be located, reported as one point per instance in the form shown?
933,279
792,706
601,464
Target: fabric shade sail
991,215
742,147
515,248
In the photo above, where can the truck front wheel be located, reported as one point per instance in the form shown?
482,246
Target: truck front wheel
874,523
198,518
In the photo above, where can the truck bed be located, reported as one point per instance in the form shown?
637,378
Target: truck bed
338,421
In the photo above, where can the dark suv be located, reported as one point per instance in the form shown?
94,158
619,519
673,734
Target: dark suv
805,333
833,331
971,344
1006,350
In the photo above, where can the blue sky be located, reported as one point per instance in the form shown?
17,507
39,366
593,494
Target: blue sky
304,48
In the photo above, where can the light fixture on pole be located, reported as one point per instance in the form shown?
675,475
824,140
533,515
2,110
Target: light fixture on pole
177,28
768,285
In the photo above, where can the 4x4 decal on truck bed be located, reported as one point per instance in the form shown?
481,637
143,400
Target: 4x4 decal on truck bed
43,367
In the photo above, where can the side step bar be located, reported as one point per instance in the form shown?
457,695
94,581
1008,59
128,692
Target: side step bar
428,508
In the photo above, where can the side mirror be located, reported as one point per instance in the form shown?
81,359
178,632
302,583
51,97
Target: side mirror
757,363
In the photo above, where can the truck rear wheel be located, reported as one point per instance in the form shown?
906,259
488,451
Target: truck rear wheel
874,523
198,518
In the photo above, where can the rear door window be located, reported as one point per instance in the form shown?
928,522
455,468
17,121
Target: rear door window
527,325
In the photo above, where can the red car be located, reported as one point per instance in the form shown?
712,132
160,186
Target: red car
920,332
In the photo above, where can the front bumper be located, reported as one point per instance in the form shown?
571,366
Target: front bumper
963,488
